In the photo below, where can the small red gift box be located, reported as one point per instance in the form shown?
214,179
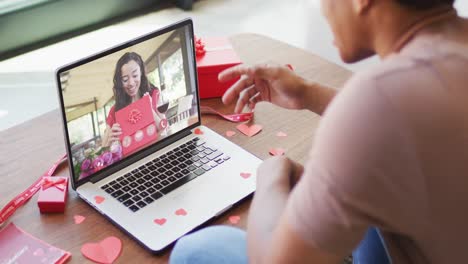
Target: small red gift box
138,126
53,194
217,55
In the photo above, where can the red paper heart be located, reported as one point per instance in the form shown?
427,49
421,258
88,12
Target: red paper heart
234,219
99,199
79,219
106,251
281,134
277,151
230,133
181,211
160,221
245,175
249,131
198,131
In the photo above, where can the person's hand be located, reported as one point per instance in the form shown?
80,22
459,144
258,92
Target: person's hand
279,171
115,132
276,84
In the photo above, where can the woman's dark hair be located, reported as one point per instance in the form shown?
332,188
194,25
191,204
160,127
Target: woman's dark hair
121,97
425,4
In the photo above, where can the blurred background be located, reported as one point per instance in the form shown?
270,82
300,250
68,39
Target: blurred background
38,36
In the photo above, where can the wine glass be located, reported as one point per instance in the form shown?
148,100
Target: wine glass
162,106
163,101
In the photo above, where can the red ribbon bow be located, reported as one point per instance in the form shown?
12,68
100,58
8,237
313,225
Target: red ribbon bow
199,47
58,183
135,116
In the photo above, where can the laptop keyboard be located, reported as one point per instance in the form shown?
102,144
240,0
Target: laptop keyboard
165,173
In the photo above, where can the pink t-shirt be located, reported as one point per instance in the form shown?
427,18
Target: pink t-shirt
392,152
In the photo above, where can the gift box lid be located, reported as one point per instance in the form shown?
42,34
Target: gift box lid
135,116
53,194
219,55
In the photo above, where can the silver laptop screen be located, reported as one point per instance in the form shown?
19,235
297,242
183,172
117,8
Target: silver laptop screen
126,101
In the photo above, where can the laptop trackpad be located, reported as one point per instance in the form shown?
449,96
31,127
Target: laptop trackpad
205,196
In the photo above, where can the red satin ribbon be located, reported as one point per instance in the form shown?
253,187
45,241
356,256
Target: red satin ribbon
59,184
236,118
22,198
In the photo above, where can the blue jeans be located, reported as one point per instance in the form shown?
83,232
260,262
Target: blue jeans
226,245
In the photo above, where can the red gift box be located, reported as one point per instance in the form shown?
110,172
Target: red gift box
53,195
138,126
217,56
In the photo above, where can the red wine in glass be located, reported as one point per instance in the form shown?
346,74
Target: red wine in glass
163,108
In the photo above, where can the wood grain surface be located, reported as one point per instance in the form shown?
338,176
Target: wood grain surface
29,149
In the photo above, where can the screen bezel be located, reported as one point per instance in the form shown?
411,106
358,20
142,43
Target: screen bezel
147,150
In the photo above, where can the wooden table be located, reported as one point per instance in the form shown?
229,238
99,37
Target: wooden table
29,149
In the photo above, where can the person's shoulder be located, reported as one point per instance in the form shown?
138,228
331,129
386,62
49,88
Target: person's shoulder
393,66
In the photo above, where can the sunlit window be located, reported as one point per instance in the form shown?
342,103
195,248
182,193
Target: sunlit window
174,77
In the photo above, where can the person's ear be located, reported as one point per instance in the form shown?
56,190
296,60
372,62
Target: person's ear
361,6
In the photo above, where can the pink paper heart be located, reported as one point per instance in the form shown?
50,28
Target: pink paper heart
79,219
245,175
234,219
99,199
277,151
281,134
198,131
106,251
230,133
249,131
181,211
160,221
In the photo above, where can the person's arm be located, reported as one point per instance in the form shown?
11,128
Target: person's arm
274,84
317,97
275,179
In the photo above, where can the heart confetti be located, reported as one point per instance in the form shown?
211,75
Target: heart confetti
249,131
79,219
106,251
281,134
99,199
245,175
277,151
234,219
160,221
181,211
230,133
198,131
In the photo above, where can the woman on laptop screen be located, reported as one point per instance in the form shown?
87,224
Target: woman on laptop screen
131,85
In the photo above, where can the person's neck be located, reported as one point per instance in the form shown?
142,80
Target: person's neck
135,98
395,29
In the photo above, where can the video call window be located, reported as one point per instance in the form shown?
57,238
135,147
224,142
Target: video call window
128,100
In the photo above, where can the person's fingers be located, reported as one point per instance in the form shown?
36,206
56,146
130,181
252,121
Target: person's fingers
267,72
233,92
233,73
116,129
254,100
244,98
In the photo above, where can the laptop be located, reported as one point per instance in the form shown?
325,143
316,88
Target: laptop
159,173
